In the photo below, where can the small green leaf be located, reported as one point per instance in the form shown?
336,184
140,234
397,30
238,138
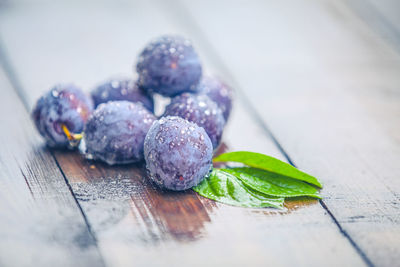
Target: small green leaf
226,188
267,163
273,184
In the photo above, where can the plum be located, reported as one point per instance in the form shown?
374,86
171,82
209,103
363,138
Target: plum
115,132
200,110
60,113
178,153
217,91
121,89
169,66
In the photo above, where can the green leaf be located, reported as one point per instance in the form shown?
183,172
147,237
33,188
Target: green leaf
273,184
226,188
267,163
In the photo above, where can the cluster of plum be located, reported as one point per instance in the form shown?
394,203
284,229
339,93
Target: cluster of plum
117,124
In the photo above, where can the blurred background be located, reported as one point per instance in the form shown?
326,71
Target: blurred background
87,41
317,82
286,57
305,52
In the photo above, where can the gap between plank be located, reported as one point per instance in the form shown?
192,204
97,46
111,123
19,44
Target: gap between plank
192,24
10,73
76,200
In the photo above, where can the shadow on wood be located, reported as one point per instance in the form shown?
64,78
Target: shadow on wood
125,191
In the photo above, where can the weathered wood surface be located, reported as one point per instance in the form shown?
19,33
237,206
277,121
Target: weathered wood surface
40,221
328,88
132,220
381,16
302,88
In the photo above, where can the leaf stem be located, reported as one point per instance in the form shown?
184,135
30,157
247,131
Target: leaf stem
71,136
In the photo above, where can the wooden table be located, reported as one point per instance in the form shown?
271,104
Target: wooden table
317,84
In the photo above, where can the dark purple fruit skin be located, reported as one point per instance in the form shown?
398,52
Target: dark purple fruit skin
218,92
169,66
121,89
201,110
178,153
63,104
115,132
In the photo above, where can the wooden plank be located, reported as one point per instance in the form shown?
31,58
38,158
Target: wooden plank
381,16
40,222
389,9
135,222
327,86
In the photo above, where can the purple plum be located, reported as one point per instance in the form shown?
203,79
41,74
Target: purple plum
178,153
169,66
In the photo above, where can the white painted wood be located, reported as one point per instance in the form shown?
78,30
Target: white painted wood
87,43
40,222
327,86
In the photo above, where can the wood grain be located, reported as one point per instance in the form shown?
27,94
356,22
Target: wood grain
133,221
40,222
381,16
327,86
